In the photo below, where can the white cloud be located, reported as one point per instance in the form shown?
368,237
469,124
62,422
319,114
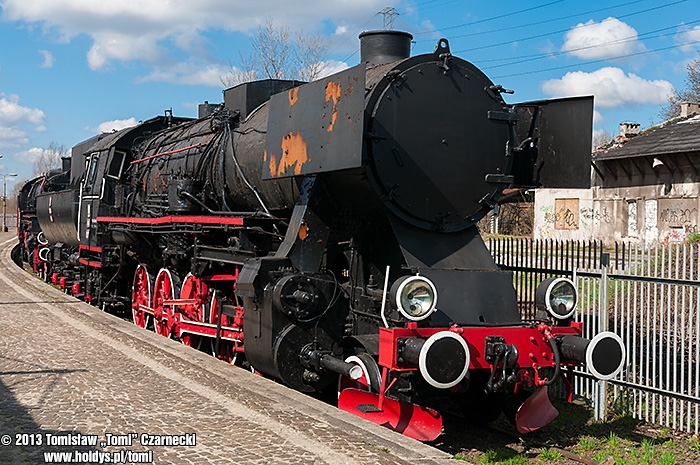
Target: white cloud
690,35
12,112
331,67
41,128
13,119
597,117
611,88
48,59
189,74
606,39
114,125
12,137
150,30
28,157
115,45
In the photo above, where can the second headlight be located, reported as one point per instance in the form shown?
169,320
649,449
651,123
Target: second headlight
558,296
414,296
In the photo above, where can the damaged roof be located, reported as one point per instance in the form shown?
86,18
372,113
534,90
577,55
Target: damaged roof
680,135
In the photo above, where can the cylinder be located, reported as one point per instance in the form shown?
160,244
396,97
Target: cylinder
380,47
574,347
410,350
604,355
442,359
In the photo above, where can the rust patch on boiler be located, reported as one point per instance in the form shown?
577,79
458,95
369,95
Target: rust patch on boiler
293,154
333,91
293,96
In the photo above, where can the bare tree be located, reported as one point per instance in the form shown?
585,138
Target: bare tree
50,158
690,93
601,138
309,52
276,54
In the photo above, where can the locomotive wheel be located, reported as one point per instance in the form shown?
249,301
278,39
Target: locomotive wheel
192,340
193,288
141,296
165,289
227,348
214,309
227,351
371,378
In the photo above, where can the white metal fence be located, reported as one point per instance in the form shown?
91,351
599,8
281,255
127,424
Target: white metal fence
649,297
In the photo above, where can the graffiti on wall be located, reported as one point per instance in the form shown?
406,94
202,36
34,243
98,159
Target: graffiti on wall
651,230
566,214
632,218
602,214
675,216
679,214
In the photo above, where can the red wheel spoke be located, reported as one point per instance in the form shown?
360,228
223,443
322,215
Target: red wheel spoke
193,289
141,296
165,320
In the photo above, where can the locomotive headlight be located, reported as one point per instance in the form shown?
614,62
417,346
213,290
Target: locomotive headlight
558,296
414,296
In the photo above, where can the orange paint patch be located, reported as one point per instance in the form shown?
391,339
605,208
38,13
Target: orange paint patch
273,165
293,154
293,96
333,91
303,232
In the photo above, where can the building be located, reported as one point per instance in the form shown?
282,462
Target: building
645,187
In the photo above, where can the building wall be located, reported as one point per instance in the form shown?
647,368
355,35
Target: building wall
650,214
649,202
653,214
564,214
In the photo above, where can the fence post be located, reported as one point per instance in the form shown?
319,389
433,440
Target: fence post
601,397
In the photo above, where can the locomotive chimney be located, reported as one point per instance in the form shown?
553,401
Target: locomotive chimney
380,47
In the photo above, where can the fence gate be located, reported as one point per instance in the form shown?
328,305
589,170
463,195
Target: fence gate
650,297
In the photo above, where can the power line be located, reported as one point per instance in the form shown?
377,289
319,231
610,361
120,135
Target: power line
537,23
348,38
597,61
505,15
447,2
538,36
539,56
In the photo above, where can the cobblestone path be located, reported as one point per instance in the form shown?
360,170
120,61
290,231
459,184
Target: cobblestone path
77,381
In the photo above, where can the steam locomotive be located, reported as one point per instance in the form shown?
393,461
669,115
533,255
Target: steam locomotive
325,233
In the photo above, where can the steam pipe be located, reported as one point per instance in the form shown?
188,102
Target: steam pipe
336,365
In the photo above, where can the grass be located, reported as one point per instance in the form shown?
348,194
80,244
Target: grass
587,443
551,454
503,456
614,441
667,458
694,444
622,438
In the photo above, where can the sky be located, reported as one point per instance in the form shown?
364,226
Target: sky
70,69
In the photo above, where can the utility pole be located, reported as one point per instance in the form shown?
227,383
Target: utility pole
4,199
389,15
